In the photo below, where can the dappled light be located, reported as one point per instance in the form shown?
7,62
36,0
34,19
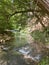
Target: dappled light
24,32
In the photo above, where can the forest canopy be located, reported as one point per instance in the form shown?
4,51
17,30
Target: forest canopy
16,14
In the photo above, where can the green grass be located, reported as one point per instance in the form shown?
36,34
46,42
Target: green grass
44,61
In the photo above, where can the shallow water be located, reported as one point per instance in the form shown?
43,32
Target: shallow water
16,54
28,51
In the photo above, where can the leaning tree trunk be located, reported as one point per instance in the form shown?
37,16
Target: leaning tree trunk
44,4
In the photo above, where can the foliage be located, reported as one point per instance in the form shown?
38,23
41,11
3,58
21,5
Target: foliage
15,13
40,36
45,61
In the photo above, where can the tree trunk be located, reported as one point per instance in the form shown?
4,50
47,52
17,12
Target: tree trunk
44,4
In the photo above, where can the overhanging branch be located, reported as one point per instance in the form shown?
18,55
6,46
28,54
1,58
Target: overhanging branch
25,11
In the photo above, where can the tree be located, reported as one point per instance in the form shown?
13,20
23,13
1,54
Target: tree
15,14
44,4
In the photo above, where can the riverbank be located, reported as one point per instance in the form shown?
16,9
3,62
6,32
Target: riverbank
4,38
38,46
19,42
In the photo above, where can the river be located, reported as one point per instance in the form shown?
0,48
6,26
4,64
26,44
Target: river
18,52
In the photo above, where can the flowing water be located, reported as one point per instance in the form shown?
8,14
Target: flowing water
15,52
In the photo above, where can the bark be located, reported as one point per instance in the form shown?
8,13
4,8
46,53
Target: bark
44,4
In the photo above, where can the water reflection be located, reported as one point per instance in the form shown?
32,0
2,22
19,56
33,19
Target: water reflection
15,50
9,55
18,56
28,52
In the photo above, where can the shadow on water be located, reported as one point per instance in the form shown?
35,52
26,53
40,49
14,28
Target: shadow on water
10,58
13,53
17,57
9,55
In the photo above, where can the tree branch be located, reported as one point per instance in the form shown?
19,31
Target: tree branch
25,11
